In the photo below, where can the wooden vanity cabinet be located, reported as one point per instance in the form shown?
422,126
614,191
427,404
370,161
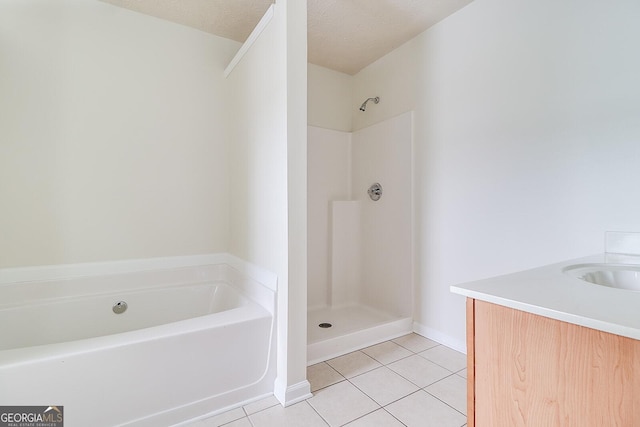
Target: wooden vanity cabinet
529,370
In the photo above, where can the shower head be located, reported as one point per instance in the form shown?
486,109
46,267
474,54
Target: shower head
364,104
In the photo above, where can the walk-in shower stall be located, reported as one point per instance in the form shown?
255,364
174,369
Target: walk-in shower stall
359,236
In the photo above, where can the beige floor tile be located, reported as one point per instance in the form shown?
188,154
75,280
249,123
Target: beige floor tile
452,391
379,418
419,370
341,403
259,405
423,410
415,342
357,401
387,352
353,364
300,414
446,357
383,385
322,375
222,419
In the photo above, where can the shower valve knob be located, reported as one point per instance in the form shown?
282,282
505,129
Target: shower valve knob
375,192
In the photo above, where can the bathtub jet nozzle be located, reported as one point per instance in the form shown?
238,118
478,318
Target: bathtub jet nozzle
375,100
119,307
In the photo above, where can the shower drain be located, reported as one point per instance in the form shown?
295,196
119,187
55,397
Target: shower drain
325,325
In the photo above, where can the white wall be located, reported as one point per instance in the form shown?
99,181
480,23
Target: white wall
526,132
112,135
259,152
330,98
268,178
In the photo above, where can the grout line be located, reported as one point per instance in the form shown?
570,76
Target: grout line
255,412
335,370
436,397
364,354
416,352
364,415
233,421
431,394
436,382
394,361
402,358
386,404
329,385
319,414
384,408
436,363
418,385
366,372
365,393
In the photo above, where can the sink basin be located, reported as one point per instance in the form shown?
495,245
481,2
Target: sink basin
619,276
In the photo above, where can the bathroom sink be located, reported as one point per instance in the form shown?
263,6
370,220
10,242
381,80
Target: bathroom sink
619,276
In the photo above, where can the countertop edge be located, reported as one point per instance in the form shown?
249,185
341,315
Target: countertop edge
494,297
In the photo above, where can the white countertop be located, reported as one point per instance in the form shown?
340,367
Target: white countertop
549,292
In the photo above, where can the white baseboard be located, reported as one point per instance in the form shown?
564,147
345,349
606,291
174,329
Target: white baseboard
439,337
293,394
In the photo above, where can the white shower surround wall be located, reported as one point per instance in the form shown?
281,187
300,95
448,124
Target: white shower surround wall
382,153
197,338
344,166
360,251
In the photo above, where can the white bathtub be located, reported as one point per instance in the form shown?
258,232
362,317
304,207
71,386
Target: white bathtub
193,341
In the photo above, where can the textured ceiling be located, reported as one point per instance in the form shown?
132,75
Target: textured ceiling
231,19
344,35
348,35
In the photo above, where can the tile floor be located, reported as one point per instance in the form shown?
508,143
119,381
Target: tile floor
409,381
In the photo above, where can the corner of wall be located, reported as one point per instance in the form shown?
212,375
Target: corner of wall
330,98
440,337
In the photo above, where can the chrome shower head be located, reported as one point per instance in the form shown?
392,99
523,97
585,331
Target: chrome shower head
375,100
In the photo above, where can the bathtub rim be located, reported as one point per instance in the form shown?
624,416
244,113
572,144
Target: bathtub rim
256,283
11,275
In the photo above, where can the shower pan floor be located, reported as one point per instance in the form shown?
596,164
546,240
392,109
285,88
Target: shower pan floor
352,328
